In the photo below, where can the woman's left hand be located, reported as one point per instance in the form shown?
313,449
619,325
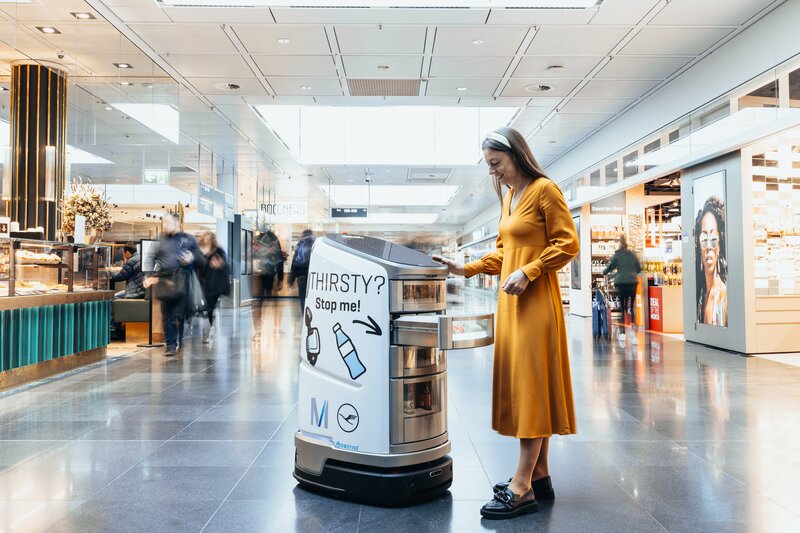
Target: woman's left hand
516,283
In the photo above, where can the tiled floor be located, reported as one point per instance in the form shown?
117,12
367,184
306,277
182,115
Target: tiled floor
672,437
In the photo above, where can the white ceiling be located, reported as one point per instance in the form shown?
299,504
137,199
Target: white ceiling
611,58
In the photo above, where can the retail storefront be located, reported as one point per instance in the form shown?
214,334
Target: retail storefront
712,209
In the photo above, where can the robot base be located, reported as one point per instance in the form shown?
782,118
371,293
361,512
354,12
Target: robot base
380,486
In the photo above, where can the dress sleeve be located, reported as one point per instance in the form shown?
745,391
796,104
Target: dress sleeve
560,234
490,263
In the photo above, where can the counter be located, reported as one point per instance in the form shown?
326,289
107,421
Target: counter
44,334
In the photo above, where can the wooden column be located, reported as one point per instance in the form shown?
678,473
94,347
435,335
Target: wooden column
38,141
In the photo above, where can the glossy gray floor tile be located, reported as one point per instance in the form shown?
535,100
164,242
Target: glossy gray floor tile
671,437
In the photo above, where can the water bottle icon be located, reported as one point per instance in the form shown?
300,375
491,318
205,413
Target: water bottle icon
348,352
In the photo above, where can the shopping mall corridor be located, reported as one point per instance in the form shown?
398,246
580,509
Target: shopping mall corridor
671,437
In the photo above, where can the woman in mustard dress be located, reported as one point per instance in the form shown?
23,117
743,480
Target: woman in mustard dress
532,390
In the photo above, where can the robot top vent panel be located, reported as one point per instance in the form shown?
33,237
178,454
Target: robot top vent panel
384,250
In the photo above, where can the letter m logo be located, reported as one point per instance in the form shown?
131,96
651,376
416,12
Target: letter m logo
319,418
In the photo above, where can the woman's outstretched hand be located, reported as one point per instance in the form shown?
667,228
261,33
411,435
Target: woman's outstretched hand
516,283
452,266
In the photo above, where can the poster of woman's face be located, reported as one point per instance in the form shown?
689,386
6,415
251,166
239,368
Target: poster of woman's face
711,260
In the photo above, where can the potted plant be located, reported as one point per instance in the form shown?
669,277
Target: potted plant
83,199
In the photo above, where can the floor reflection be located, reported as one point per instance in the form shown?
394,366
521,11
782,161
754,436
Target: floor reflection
671,436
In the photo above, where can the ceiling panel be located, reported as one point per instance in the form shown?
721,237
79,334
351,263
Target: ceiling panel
538,17
642,67
279,100
379,16
597,105
389,40
183,38
617,88
148,13
470,67
534,113
623,11
576,40
209,65
13,37
38,13
460,40
438,87
310,66
103,65
492,102
572,120
681,41
708,12
545,101
303,40
367,66
89,38
247,86
573,66
560,87
366,101
251,15
318,86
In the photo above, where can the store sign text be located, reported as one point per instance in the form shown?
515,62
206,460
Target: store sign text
296,212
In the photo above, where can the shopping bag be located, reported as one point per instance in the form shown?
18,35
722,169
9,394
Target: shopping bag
172,287
197,301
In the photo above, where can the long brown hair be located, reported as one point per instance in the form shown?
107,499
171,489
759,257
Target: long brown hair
520,153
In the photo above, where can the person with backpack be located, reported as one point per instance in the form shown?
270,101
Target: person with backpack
300,262
626,279
214,272
268,258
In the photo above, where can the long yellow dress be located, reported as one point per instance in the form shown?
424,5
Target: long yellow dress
532,389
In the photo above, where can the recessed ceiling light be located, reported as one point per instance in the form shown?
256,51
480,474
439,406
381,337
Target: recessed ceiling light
125,83
306,88
122,65
83,16
283,40
478,42
555,68
108,108
461,88
383,67
552,142
149,85
539,88
47,29
3,89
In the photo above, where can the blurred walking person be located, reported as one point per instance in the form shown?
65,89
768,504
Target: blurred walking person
300,262
174,258
269,260
214,271
626,280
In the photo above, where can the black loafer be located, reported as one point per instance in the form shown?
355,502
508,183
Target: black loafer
506,504
542,488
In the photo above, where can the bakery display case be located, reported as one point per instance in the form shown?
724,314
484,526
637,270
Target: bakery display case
55,307
32,267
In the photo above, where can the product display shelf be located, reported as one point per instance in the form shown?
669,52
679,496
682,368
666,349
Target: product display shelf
564,283
776,231
473,252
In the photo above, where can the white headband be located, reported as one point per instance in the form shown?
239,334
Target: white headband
493,135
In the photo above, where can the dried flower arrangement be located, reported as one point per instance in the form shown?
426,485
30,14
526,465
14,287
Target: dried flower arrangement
83,199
